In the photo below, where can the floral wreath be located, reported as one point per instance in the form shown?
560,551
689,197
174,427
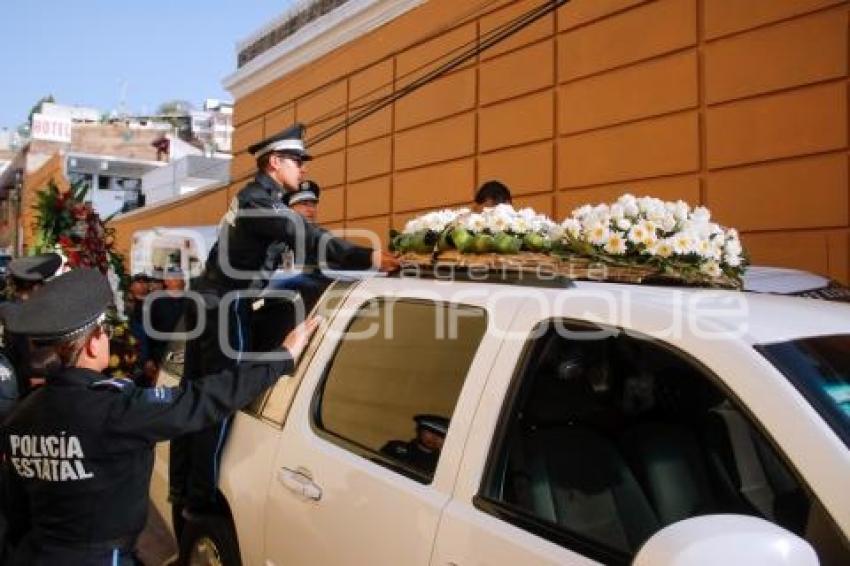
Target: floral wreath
68,225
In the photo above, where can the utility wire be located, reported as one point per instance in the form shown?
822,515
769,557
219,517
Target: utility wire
500,34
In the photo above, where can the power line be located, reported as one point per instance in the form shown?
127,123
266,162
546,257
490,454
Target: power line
499,34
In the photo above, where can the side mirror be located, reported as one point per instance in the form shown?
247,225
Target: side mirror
725,539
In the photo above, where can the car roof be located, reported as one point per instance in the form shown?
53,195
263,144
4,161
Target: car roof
782,280
761,319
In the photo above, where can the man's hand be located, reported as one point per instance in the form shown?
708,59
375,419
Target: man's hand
384,261
297,340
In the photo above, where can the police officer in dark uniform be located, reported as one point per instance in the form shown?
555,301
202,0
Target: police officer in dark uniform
255,233
305,200
25,275
80,448
422,452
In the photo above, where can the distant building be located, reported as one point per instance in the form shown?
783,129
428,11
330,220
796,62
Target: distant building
214,125
183,176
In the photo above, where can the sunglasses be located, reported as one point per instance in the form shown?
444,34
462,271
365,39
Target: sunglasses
294,158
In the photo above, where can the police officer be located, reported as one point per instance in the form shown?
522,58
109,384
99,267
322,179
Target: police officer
257,230
81,447
26,274
305,201
422,452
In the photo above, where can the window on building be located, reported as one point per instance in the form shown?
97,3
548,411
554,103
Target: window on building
84,178
607,441
392,386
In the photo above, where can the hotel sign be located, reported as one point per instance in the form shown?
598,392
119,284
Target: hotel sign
51,128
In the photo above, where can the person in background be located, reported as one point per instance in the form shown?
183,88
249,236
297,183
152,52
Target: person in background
156,282
137,290
423,451
166,311
84,501
492,193
305,201
25,275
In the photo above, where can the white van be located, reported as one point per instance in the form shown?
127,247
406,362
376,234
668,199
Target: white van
186,247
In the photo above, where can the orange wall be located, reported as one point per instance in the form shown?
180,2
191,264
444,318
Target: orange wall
739,105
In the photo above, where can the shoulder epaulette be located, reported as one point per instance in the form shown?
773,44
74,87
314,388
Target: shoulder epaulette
113,384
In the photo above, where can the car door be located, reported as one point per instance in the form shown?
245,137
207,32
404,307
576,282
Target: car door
580,452
360,477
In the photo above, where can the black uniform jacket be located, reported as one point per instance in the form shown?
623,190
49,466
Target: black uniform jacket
259,227
81,447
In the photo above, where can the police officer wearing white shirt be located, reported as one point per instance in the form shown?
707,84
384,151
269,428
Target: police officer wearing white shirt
80,449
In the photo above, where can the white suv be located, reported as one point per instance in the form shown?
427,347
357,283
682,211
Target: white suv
587,423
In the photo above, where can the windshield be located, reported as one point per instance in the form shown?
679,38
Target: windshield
820,369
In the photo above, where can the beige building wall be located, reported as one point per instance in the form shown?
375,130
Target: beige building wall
738,105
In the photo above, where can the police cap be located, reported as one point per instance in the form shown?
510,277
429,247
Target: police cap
307,191
434,423
66,305
35,268
290,140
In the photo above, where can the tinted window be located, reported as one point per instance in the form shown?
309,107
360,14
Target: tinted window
609,440
820,369
393,384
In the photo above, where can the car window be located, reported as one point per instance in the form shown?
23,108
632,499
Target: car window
274,404
392,386
820,368
608,440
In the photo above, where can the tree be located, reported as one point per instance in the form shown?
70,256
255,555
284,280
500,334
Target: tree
174,107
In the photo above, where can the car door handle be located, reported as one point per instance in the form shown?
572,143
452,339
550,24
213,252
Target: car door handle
299,481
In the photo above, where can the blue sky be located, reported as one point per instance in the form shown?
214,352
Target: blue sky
82,51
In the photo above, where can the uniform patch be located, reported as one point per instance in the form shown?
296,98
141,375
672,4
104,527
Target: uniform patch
6,373
159,395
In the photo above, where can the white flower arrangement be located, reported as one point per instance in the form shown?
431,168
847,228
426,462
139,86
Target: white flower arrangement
501,229
671,237
670,234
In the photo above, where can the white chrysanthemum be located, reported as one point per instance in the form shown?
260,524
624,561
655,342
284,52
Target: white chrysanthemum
683,243
520,225
701,214
542,225
556,232
616,244
707,249
498,222
678,209
732,260
649,226
598,234
528,214
638,234
617,211
572,227
711,268
414,225
627,199
733,247
582,211
668,223
631,209
660,248
623,224
475,223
